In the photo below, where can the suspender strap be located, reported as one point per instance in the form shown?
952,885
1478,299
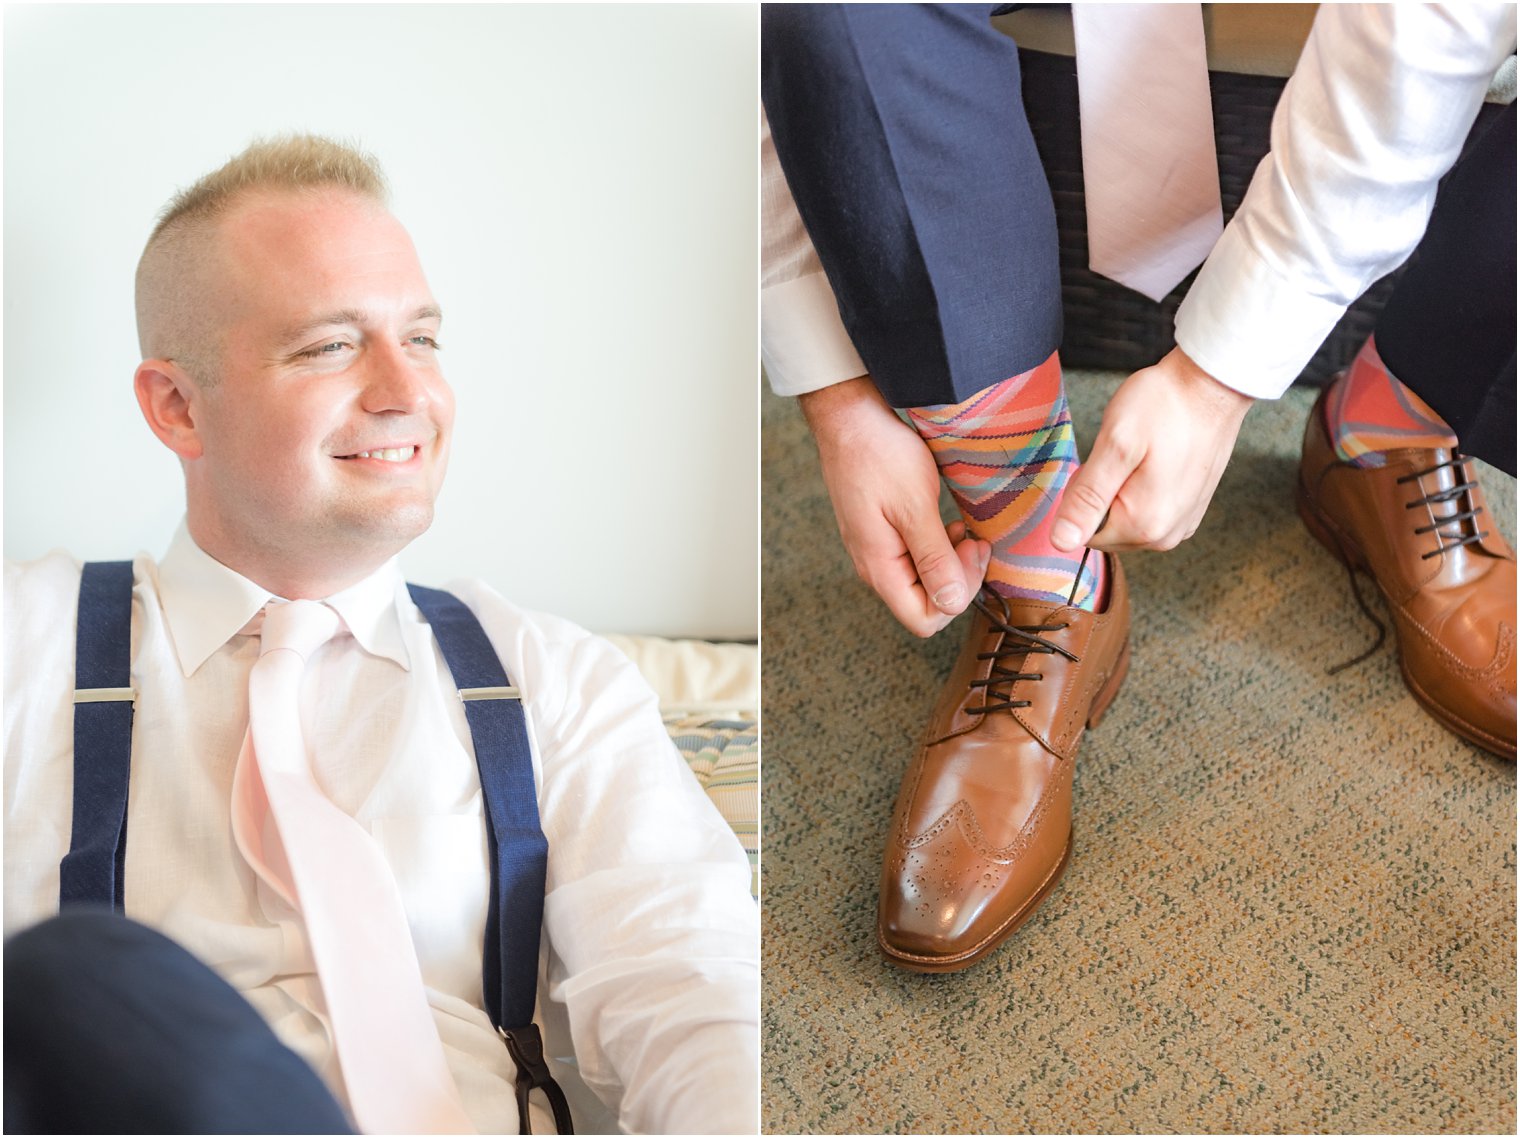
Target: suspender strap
519,851
91,872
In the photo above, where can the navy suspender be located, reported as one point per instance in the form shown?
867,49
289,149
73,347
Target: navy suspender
92,869
519,851
91,872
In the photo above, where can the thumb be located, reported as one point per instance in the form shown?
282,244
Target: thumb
1088,495
939,569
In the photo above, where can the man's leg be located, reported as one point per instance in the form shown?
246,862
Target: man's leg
1448,330
111,1027
1383,483
903,140
1369,413
1006,455
904,144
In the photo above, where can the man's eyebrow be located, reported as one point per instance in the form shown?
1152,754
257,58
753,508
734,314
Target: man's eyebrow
351,316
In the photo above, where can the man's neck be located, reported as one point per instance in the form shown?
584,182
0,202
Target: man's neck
304,576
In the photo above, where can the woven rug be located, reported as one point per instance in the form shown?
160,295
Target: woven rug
1291,903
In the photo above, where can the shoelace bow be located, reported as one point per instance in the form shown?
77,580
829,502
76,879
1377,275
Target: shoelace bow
1027,640
1460,492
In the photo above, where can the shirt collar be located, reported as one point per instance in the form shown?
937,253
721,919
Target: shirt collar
206,604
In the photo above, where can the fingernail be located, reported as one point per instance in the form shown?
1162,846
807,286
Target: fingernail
1065,535
948,597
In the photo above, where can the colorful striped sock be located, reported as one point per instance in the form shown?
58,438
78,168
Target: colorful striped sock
1006,454
1368,411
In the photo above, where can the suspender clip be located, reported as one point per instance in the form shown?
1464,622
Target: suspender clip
105,695
468,694
526,1046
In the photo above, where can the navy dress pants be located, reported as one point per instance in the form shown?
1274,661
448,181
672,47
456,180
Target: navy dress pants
1448,330
112,1028
902,134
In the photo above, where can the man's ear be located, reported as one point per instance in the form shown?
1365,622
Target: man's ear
170,400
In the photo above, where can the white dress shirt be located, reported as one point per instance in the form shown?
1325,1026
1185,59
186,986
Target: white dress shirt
1375,113
649,969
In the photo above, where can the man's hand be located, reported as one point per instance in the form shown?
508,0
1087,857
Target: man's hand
1166,437
884,485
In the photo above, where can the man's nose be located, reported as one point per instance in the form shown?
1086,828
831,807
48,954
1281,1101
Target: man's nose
396,381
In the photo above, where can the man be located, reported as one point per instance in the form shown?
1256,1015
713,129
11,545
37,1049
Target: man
920,188
290,346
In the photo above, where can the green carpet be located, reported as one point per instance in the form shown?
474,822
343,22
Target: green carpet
1291,904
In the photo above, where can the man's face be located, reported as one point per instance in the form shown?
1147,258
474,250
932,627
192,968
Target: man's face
325,430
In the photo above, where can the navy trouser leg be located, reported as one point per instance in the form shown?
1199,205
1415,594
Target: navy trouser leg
902,134
111,1027
1448,330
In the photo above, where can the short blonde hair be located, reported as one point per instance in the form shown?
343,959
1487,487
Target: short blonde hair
287,162
170,322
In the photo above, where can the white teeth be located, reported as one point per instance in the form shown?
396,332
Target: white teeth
394,454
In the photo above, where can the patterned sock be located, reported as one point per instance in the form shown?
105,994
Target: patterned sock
1368,411
1006,454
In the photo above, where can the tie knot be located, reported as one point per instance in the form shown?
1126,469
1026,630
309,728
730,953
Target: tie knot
301,626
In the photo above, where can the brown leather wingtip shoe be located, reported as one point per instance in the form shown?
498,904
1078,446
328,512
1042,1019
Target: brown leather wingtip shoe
982,829
1420,526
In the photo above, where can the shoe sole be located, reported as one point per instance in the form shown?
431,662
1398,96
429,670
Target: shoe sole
1325,531
915,963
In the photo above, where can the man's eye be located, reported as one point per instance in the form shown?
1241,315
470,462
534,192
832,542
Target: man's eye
427,342
331,349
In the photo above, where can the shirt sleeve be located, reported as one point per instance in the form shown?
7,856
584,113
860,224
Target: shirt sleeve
653,938
40,616
803,342
1375,113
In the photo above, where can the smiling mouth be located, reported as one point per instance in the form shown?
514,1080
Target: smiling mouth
388,454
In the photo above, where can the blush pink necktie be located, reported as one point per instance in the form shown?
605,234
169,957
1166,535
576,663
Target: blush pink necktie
328,868
1149,168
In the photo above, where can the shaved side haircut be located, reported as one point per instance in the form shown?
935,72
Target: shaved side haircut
173,275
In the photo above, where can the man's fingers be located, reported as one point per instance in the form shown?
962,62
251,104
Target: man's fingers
934,559
896,583
1088,495
975,555
883,560
1147,513
894,578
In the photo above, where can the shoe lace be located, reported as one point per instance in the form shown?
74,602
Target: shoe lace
1026,640
1461,493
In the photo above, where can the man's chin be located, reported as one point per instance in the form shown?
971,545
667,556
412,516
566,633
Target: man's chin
394,527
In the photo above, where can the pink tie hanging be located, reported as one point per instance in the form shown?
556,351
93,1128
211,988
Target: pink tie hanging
1149,167
329,869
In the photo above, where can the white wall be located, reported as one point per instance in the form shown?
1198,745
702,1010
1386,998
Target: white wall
581,184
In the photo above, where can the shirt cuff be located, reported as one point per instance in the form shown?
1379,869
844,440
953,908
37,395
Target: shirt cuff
1247,325
803,343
